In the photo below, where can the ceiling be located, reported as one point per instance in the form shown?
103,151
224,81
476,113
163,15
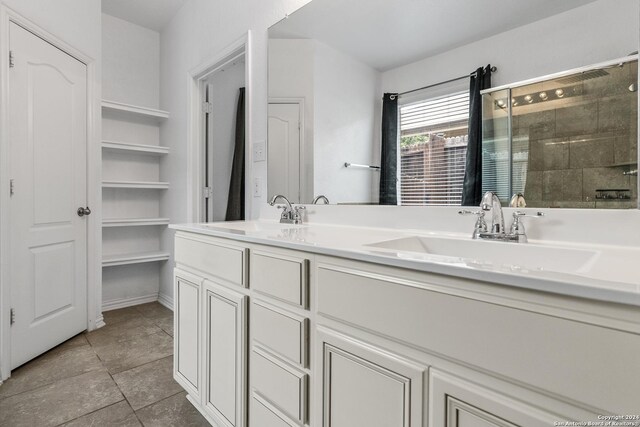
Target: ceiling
152,14
386,34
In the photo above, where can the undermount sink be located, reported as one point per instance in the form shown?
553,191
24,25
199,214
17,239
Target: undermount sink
251,226
514,255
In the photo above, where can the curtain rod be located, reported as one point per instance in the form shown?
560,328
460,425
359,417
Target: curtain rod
493,70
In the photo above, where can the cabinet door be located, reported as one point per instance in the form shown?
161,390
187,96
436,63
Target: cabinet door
225,354
455,402
186,359
367,386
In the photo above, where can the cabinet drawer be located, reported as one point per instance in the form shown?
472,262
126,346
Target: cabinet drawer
280,331
263,415
282,277
279,384
226,262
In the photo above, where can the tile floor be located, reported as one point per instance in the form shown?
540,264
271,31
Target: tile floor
119,375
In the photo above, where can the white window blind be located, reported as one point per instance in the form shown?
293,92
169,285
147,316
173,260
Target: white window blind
433,146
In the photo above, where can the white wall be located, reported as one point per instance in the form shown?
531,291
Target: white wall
291,75
201,29
586,35
341,109
131,63
347,104
224,97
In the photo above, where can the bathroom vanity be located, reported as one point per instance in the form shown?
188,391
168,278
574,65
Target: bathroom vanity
286,325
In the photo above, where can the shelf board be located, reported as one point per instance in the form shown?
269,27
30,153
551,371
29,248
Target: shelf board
134,258
154,150
134,111
136,184
134,222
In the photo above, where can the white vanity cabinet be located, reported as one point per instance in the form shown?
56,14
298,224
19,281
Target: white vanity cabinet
275,337
210,358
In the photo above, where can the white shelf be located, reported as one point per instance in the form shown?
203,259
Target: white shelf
153,150
134,111
134,222
135,258
136,184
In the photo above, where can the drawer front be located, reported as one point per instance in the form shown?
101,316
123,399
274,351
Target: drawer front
279,384
263,415
282,277
226,262
280,331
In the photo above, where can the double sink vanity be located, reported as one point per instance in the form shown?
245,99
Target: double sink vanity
343,326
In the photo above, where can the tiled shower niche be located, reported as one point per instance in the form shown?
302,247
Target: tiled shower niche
572,140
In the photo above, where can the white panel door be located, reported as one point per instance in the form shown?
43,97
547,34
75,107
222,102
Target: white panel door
284,151
48,143
186,355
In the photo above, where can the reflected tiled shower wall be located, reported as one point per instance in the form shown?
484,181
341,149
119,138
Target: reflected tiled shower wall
573,140
579,144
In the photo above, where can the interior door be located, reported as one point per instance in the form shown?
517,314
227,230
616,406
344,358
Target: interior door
284,151
47,148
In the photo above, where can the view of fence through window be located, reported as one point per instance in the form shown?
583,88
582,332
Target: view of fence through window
433,146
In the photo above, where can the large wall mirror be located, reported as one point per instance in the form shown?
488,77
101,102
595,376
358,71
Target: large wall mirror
557,106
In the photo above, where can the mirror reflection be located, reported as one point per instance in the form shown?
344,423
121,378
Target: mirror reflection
417,103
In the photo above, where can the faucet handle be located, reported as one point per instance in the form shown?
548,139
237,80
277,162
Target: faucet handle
481,224
470,212
520,214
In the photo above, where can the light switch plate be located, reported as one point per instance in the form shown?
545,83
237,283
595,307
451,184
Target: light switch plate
257,187
259,151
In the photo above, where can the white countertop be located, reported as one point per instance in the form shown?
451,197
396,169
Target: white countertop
610,274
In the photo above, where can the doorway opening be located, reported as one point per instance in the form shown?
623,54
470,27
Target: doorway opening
219,136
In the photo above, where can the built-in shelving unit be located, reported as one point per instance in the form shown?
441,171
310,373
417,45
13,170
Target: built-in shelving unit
136,184
132,186
129,112
127,147
134,222
134,258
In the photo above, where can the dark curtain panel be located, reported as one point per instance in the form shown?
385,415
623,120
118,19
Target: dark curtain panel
389,156
472,187
235,205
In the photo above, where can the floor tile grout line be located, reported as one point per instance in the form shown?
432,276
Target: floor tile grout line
53,382
163,399
92,412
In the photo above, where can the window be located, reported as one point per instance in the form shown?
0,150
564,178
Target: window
433,147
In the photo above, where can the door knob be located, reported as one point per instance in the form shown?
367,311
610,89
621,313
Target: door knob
84,211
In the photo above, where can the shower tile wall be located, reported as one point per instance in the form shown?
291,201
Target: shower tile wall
579,144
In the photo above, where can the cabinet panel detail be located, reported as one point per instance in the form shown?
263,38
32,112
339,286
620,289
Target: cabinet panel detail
225,338
455,402
187,331
264,415
280,331
363,385
226,262
282,385
281,277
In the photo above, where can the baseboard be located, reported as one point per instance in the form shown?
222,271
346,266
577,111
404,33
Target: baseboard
128,302
100,321
166,300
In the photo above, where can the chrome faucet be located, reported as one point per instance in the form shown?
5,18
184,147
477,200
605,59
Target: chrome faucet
320,197
491,202
290,214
